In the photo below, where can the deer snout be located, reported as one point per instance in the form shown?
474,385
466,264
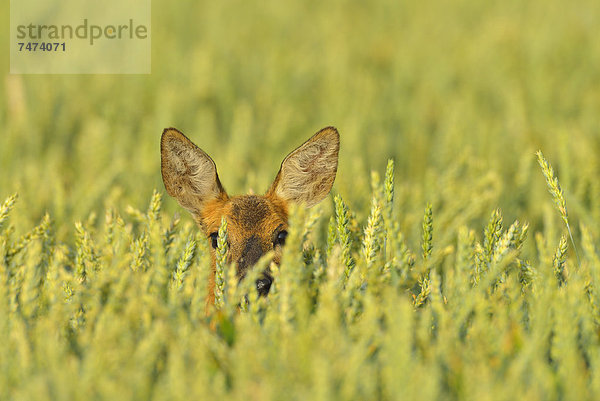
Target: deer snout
250,255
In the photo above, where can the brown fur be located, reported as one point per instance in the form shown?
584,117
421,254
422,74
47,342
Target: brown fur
253,221
245,220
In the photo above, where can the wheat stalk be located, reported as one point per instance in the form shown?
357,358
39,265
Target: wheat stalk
557,195
221,261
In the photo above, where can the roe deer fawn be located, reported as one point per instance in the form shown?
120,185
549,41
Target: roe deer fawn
256,224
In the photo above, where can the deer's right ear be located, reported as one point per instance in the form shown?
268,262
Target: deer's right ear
189,174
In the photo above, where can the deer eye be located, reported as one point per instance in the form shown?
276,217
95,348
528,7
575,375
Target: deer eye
280,238
213,239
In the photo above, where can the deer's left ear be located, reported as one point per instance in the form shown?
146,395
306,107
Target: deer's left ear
307,174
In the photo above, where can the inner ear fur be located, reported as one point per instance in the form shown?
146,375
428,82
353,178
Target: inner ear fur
307,174
189,174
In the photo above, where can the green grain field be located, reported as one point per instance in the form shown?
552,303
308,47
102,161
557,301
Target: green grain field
450,261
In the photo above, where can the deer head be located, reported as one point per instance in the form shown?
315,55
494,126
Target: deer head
256,224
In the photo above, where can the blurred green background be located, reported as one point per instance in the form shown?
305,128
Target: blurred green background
460,93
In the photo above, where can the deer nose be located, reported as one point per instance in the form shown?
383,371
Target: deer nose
263,285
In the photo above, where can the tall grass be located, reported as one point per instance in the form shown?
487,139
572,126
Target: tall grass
118,314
